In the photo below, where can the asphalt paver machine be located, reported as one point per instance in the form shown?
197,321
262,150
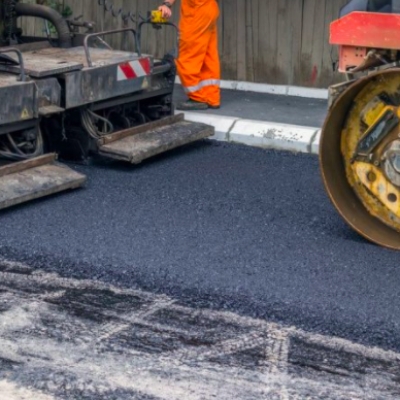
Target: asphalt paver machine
74,97
360,142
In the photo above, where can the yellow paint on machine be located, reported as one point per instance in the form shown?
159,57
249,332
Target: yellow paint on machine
365,109
375,181
373,111
25,114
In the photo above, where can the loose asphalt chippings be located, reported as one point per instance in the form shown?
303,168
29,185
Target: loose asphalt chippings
85,340
218,226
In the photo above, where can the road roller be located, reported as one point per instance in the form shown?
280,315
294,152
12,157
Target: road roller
360,139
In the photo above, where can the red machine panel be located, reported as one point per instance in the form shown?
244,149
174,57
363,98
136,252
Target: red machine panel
351,57
366,29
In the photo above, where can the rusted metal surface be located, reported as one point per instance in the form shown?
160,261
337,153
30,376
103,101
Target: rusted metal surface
335,91
48,92
7,79
141,129
17,99
138,147
53,61
14,168
32,179
42,63
83,85
99,83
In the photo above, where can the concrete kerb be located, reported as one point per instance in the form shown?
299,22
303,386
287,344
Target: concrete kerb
285,90
264,134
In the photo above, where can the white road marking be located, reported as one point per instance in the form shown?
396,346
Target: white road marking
158,348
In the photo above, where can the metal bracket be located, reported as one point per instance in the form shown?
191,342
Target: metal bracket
105,33
149,21
22,77
375,134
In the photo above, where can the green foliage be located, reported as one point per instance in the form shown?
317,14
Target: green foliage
65,11
58,5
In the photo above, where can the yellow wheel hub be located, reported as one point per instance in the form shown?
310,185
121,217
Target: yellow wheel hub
365,169
360,156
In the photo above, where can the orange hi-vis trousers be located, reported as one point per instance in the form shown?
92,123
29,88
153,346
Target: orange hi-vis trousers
198,62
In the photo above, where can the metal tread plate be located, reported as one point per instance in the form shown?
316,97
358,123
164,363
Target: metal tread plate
99,56
38,65
35,178
144,144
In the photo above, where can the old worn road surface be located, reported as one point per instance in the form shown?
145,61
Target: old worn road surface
246,235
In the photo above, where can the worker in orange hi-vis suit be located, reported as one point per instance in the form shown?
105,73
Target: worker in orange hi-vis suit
198,62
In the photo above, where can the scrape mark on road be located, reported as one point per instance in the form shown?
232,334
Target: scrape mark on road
74,339
9,390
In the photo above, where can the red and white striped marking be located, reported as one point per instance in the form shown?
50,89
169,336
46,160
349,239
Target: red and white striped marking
134,69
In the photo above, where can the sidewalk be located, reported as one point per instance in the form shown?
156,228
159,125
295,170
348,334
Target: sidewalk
264,120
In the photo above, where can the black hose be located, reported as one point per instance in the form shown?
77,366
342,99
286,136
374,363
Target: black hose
60,24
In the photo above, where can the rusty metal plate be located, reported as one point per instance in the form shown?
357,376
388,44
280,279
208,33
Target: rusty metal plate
32,179
86,85
43,63
138,147
17,99
100,57
54,61
101,83
48,92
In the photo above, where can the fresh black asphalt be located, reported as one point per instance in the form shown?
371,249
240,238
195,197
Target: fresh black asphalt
222,226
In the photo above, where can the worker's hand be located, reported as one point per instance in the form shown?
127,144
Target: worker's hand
166,11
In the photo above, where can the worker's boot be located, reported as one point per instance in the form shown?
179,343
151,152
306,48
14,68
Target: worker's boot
192,105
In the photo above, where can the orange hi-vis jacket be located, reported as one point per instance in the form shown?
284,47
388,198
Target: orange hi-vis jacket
198,62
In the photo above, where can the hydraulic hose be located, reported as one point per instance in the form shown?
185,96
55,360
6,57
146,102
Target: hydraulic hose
16,152
89,119
47,13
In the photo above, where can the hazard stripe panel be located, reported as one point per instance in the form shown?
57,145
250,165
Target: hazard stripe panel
134,69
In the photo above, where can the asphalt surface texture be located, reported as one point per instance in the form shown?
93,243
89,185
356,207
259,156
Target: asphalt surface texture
86,340
219,226
267,107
